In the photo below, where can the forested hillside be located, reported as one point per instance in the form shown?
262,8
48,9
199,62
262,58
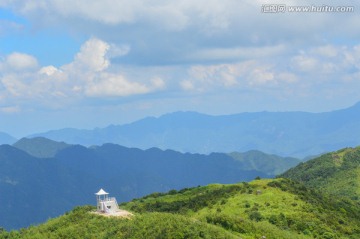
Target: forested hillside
336,173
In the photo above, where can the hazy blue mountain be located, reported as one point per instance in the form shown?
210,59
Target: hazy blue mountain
6,138
40,147
34,189
296,134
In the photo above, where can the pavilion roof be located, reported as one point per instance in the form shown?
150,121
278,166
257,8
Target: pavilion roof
101,192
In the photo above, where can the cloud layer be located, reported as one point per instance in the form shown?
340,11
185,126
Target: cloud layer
183,49
163,32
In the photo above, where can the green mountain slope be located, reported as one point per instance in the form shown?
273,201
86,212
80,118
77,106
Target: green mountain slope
336,173
80,223
271,209
276,208
268,163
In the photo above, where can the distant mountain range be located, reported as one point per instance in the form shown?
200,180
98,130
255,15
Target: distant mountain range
41,178
296,134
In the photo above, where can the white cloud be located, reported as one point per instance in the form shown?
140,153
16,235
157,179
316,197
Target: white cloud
206,77
114,86
201,32
19,62
205,15
245,74
48,70
261,75
92,56
304,63
117,51
89,75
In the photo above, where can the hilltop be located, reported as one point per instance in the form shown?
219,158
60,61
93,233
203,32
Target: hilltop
272,209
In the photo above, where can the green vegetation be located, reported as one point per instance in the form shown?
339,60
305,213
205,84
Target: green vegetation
324,204
276,208
80,223
336,174
267,163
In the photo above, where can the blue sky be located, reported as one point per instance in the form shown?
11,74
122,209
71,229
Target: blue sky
87,64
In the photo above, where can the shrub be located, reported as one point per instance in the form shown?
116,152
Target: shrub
255,216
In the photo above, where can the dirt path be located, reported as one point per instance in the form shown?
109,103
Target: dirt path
119,213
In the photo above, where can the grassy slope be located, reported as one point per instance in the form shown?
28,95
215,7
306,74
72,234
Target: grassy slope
336,173
273,208
268,163
80,223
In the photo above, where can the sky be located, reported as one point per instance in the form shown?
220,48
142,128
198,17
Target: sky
87,64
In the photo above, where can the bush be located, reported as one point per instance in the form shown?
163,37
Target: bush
255,216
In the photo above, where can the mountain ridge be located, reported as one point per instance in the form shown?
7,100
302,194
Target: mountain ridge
295,134
69,175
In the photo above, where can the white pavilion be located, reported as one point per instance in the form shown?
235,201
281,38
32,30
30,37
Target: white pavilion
106,204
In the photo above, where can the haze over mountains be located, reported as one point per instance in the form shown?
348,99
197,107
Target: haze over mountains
264,208
41,178
296,134
35,173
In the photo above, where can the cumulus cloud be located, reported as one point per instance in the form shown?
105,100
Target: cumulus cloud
19,62
241,75
202,77
111,85
88,75
211,46
92,56
114,86
48,70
